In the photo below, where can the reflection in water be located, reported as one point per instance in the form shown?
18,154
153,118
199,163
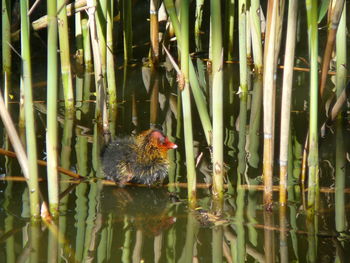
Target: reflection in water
135,224
147,208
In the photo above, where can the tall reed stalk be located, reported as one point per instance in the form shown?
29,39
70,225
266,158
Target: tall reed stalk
86,45
66,69
217,103
112,86
340,163
198,95
186,102
52,90
286,98
101,24
269,70
336,12
229,28
29,113
243,77
101,107
198,21
127,29
313,184
154,31
6,50
255,113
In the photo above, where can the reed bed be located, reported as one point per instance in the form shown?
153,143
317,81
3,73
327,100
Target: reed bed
240,32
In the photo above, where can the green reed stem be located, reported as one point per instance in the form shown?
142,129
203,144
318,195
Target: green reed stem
86,45
101,25
243,76
79,53
6,50
66,70
29,113
112,86
340,163
100,82
186,102
79,61
311,8
52,91
198,95
229,28
255,113
127,29
287,97
217,104
198,22
218,239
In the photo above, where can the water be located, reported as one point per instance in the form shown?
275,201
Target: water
100,222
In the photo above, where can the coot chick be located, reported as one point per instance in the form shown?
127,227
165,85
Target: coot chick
141,159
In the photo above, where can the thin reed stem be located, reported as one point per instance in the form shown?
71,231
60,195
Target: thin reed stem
52,91
111,80
29,113
217,103
313,184
286,97
269,70
198,95
66,69
340,161
6,50
127,29
186,102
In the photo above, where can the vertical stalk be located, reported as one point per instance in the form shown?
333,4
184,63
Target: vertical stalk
127,29
255,113
154,31
101,107
340,163
66,70
311,8
52,89
6,50
29,113
86,45
286,97
198,22
243,75
217,55
336,12
112,87
229,28
79,61
186,102
79,53
269,70
195,87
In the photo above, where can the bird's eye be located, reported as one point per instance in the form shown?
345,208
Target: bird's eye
161,140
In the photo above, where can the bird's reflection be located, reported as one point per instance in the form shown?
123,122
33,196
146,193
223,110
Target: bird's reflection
148,208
